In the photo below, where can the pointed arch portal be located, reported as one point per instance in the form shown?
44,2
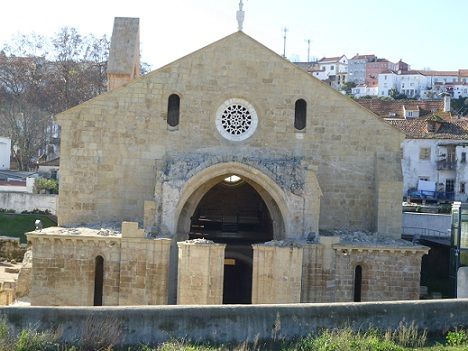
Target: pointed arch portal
237,205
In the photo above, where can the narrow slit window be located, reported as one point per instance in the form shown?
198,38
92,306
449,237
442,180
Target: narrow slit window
300,114
98,281
357,284
173,110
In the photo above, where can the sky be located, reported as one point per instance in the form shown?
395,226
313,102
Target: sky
424,33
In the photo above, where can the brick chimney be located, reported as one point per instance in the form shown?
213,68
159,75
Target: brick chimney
124,53
447,106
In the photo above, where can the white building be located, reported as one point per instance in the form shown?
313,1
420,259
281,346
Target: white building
424,84
5,153
413,84
435,157
362,90
435,151
334,70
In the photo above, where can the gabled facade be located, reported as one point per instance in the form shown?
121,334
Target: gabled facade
265,170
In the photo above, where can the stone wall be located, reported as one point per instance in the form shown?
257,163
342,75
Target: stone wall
225,324
63,269
388,273
438,222
136,269
144,268
64,264
28,202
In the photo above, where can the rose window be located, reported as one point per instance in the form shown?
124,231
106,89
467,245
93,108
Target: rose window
236,119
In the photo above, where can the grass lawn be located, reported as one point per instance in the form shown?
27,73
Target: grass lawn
16,225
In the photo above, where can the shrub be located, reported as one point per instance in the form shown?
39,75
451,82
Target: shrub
49,185
37,211
457,338
7,210
31,340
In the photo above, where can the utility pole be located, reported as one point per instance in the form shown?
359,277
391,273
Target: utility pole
285,30
308,50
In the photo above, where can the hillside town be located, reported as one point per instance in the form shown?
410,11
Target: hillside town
369,76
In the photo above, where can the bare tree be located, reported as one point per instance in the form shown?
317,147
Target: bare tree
40,77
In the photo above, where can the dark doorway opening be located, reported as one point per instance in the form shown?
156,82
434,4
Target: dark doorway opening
357,283
232,212
237,281
98,281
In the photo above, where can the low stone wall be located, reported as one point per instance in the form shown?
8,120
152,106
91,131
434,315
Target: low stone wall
28,202
439,222
228,323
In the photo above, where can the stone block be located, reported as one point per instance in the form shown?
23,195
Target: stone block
130,230
277,274
200,273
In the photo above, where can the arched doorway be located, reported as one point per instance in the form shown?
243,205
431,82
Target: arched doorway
232,212
237,212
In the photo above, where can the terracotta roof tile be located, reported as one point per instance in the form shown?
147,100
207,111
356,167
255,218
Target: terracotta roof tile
361,57
394,109
439,73
335,58
417,129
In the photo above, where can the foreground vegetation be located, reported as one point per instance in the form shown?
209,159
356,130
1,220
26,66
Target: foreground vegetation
402,339
15,225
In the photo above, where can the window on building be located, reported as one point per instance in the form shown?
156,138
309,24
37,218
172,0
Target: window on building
451,154
462,187
431,127
449,185
463,157
424,153
98,281
173,110
332,68
357,284
300,114
423,178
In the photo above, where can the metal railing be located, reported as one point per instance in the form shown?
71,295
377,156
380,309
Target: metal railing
446,164
425,233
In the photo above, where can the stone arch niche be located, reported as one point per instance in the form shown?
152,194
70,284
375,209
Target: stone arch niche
294,210
200,184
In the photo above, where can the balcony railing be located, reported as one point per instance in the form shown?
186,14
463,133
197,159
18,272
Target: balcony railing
446,164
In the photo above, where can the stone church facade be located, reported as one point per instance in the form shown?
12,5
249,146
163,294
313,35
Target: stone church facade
239,178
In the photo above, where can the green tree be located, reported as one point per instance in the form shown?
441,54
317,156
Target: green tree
348,86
